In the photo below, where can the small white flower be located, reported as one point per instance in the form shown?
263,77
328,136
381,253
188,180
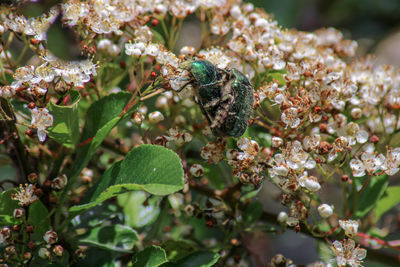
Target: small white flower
350,227
347,253
41,119
309,182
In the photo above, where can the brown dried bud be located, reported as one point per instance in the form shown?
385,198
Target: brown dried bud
122,64
209,223
345,178
32,177
39,192
34,41
16,228
155,22
53,199
317,109
234,241
323,128
31,105
325,147
297,228
47,183
29,229
29,132
374,139
31,245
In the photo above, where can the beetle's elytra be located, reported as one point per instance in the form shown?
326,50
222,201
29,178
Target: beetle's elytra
225,97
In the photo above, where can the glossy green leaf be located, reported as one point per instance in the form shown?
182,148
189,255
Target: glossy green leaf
7,207
38,217
199,259
154,169
101,118
388,201
150,257
65,129
118,237
98,257
177,250
371,194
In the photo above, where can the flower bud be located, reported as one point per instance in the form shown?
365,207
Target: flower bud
356,113
59,182
196,170
44,253
162,102
50,237
58,250
325,210
282,217
19,213
156,117
276,142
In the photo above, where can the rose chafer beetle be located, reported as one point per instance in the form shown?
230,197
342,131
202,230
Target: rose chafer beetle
225,97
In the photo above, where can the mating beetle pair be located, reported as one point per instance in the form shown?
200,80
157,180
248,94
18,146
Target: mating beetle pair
225,97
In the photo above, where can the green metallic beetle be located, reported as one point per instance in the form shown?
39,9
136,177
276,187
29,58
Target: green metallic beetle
225,97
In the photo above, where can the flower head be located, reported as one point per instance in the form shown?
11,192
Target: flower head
347,253
25,195
41,119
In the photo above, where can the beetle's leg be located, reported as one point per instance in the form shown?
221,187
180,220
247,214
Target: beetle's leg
183,87
212,103
222,111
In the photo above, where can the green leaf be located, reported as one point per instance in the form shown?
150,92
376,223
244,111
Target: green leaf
252,212
150,257
118,238
198,259
7,207
276,75
371,194
101,118
98,257
135,213
154,169
38,217
388,201
65,129
177,250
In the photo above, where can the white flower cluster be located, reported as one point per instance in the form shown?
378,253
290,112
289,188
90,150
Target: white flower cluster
35,78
